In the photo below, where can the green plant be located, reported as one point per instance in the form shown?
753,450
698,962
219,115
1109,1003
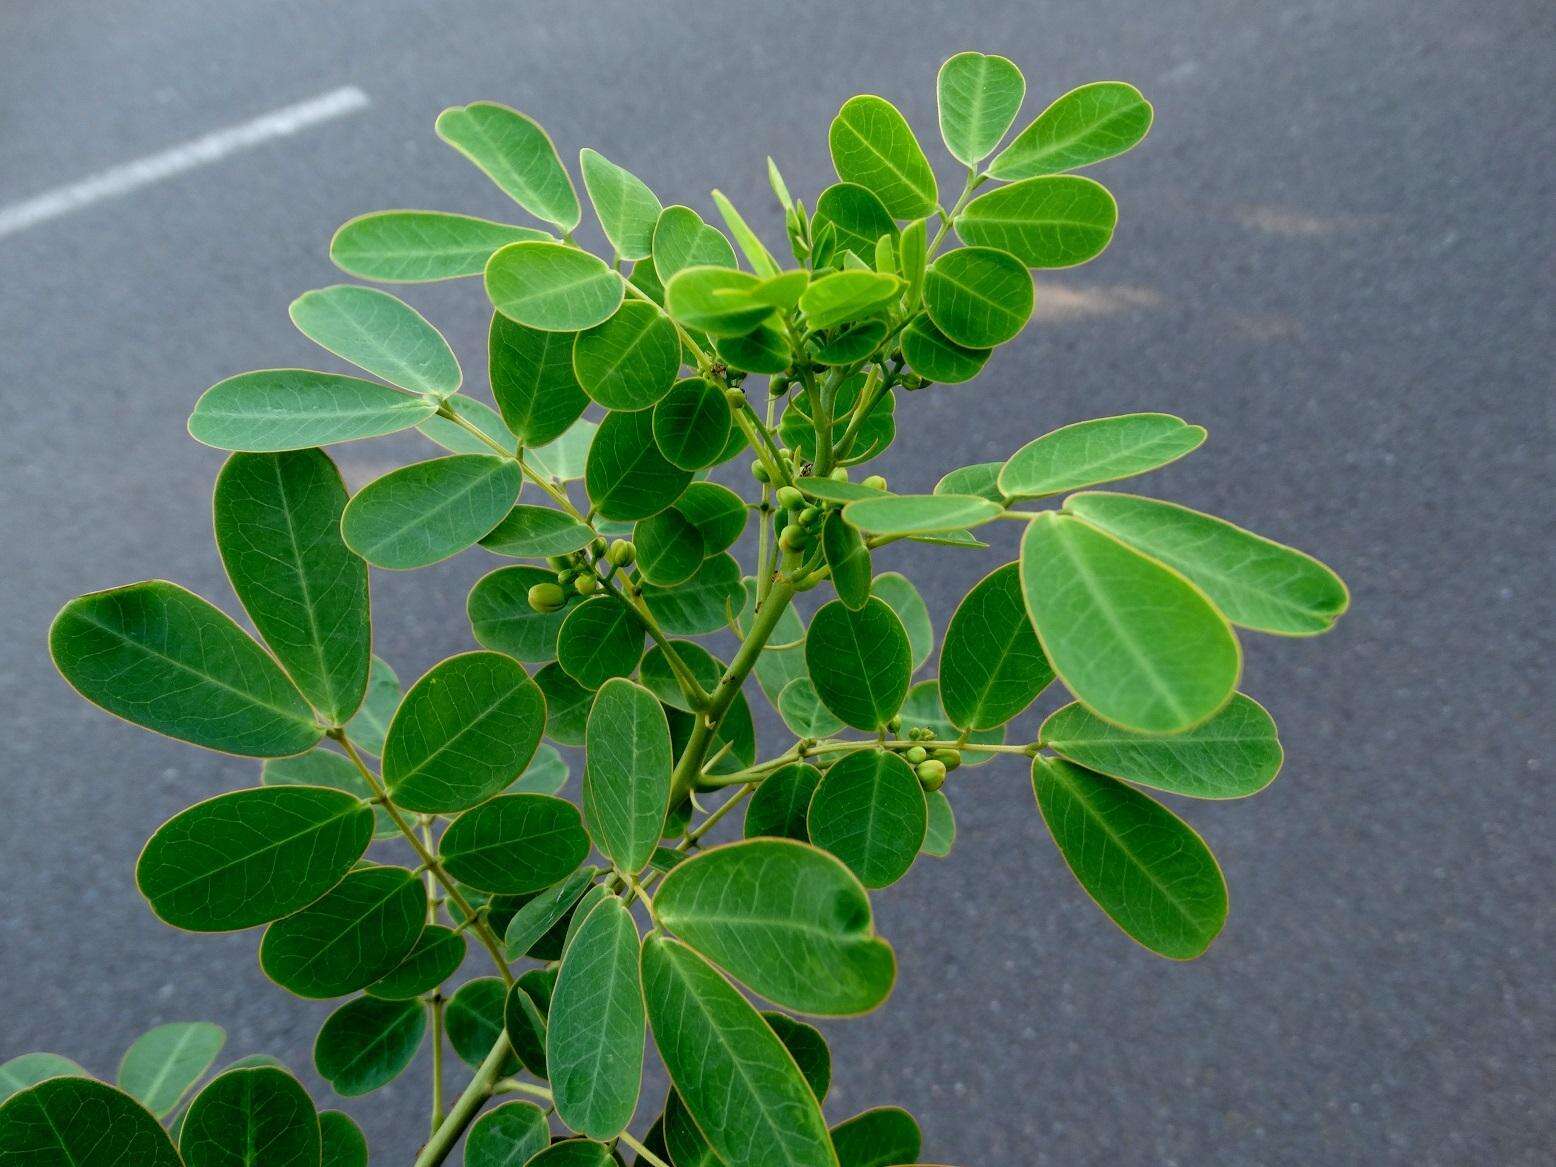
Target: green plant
1128,601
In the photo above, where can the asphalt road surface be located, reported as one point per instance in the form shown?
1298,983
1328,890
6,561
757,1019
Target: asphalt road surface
1334,251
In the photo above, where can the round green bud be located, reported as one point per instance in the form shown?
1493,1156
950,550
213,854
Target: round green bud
839,475
546,597
598,546
931,774
621,553
735,398
566,575
916,754
950,759
895,724
875,482
808,516
793,537
790,498
586,584
759,471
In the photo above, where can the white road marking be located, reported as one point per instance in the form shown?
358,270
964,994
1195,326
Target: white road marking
202,151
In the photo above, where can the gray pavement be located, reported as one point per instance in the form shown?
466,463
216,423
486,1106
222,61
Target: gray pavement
1334,251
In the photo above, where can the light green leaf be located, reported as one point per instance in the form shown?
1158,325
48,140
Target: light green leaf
1056,221
627,209
1084,126
940,836
858,217
509,1135
426,512
878,1137
531,532
992,666
26,1070
981,479
783,918
574,1153
831,490
533,381
873,146
566,459
292,409
251,856
567,704
978,297
919,514
359,930
242,1110
78,1122
436,956
717,300
367,1043
1234,754
848,558
626,790
903,598
1256,582
692,424
418,246
1133,640
517,155
164,1063
380,333
595,1032
474,1017
465,731
541,914
552,287
626,476
741,1086
277,519
936,357
515,843
629,361
683,240
1144,866
846,295
979,98
755,251
456,439
501,617
342,1141
780,803
546,773
600,639
166,660
859,661
700,605
869,811
1103,450
802,710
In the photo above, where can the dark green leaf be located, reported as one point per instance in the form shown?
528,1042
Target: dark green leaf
717,300
567,704
465,731
669,547
627,477
1144,866
600,639
367,1042
741,1086
629,361
691,424
517,155
1132,639
343,1142
574,1153
1090,452
718,512
359,930
626,790
1256,582
251,856
659,678
977,296
1057,221
436,956
872,145
501,617
936,357
992,666
77,1122
423,513
880,1137
243,1110
683,240
860,662
764,350
541,914
509,1135
380,333
164,659
1234,754
515,843
851,343
531,532
700,605
780,803
848,558
627,209
1084,126
162,1064
552,287
785,919
685,1145
532,380
415,246
595,1029
277,519
474,1018
293,409
869,811
858,217
808,1048
979,98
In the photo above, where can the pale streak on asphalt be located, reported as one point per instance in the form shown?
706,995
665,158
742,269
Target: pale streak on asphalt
202,151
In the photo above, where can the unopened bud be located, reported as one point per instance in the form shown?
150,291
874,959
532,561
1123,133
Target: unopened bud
621,553
546,597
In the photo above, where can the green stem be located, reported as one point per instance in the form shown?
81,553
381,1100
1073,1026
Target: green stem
467,1106
435,1009
643,1152
974,181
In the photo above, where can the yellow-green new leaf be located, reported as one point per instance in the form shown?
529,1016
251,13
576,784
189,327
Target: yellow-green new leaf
786,919
380,333
1102,450
627,209
1058,220
626,786
873,145
1256,582
552,287
1144,866
919,514
420,246
1084,126
752,247
846,295
720,301
517,155
979,98
1135,642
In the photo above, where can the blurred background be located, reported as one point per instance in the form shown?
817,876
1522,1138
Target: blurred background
1334,251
